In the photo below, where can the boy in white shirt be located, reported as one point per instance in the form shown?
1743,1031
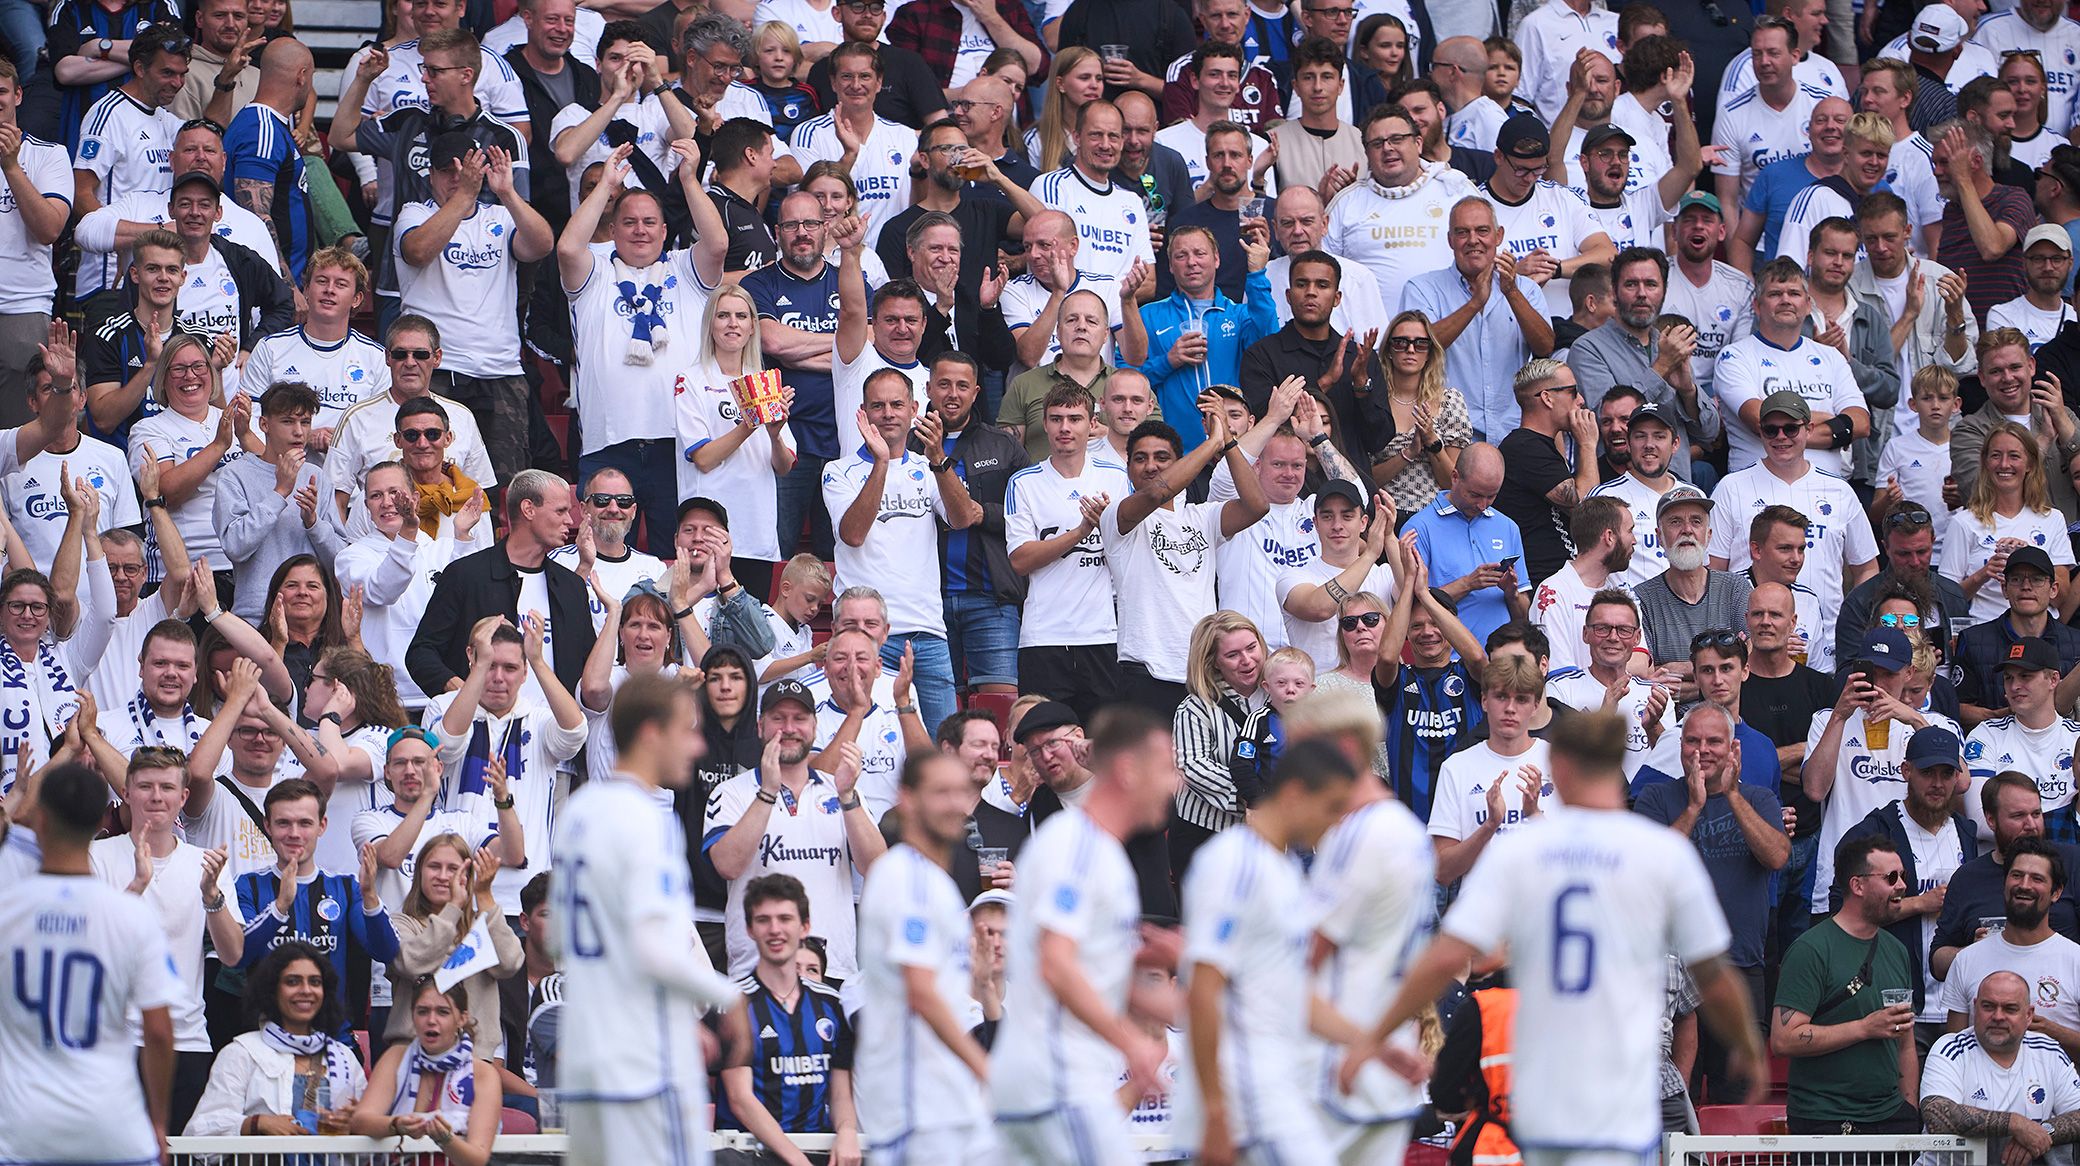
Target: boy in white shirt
805,586
1915,461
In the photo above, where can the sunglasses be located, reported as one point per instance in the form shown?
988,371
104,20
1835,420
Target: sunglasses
1351,623
624,501
1782,430
1895,620
1721,638
1916,518
418,354
415,436
1408,343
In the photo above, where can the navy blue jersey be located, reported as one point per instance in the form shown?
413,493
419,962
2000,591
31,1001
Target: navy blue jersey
790,105
326,914
812,306
793,1056
1425,710
77,22
261,146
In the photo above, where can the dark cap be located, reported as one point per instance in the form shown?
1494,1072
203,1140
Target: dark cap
1646,412
1523,137
202,176
2031,654
1339,488
793,690
1932,746
1788,403
2033,558
1885,648
449,148
1604,133
1681,494
1048,714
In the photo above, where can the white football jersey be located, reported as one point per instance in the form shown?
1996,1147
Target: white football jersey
1838,532
1074,881
1756,135
1023,299
1397,234
1552,219
1371,884
1459,804
1722,310
2051,968
1812,70
1576,688
1865,778
2057,49
344,373
1591,903
1752,368
804,837
2046,754
126,146
1635,221
911,916
26,281
621,868
1111,221
77,956
1072,596
880,171
2040,1085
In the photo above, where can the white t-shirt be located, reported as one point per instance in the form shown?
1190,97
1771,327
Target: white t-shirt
1756,135
1578,688
645,118
1163,573
1969,543
1318,637
1865,779
1023,299
1075,882
1591,904
130,725
1069,601
1371,885
1649,557
849,389
1910,172
1189,141
2057,47
1637,219
1358,312
26,282
706,409
475,279
116,672
911,916
396,580
87,955
2052,969
1111,221
1937,855
126,146
209,302
1809,208
1722,311
2040,1085
1838,532
1397,236
1551,35
344,373
618,400
1561,607
1812,69
2039,325
900,557
477,824
1476,125
174,439
535,746
1752,368
619,576
2004,743
880,171
175,898
811,25
1920,465
1459,804
1246,916
1552,219
37,508
225,822
805,838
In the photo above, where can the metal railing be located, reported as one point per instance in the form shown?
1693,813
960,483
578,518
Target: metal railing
511,1148
1828,1150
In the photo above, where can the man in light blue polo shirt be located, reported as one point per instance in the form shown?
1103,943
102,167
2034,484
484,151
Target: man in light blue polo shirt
1489,319
1474,553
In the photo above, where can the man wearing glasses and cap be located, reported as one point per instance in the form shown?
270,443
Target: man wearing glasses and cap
1546,226
367,433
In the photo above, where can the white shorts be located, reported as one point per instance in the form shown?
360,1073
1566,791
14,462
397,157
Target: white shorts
1073,1135
670,1129
1377,1144
972,1144
1588,1158
1301,1144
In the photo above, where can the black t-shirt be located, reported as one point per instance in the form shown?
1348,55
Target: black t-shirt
910,91
1782,708
1535,467
750,240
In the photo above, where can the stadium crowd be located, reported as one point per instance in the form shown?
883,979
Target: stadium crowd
952,376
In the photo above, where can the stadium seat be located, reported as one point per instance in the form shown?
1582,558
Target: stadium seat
996,704
516,1121
1740,1120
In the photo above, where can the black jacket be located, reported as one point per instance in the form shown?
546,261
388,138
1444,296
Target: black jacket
730,751
550,188
265,303
486,583
985,457
1977,892
1364,422
981,331
1890,821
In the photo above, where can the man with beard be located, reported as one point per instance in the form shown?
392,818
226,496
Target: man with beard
1766,202
1983,222
1256,103
1225,152
1866,151
1489,316
1339,368
1934,838
1715,296
1988,103
1602,530
822,836
600,552
2027,946
1393,221
1299,220
1613,414
1909,554
1690,596
2014,389
1633,216
1547,227
1649,441
2019,1075
797,313
1158,172
2014,811
1852,1055
982,590
985,223
1425,105
2041,310
1592,85
1631,349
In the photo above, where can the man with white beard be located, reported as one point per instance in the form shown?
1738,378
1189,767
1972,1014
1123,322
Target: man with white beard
601,543
1689,597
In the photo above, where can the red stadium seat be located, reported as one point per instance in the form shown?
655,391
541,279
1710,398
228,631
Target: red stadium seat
996,704
1740,1120
516,1121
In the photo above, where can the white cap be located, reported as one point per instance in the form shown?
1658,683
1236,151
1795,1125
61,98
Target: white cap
2050,233
1938,29
996,895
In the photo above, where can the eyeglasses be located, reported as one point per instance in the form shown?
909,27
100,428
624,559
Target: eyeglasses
193,368
1395,140
27,607
1895,620
1613,631
125,570
1573,389
1893,877
946,148
432,70
864,6
1345,13
415,436
1351,623
421,355
1721,638
1408,343
787,225
1786,430
2032,53
246,733
624,501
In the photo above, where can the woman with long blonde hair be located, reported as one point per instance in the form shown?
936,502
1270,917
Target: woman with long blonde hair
450,894
1226,704
2008,509
725,451
1431,421
1077,80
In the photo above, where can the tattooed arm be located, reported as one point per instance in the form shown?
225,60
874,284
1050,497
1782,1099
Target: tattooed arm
1793,1034
258,197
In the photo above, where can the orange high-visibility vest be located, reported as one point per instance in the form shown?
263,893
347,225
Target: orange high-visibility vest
1488,1129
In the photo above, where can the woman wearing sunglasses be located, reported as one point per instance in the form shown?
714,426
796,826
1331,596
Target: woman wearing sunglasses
1431,424
1222,717
2009,508
1361,625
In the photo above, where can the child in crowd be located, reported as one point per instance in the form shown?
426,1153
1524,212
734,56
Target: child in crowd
805,586
1914,463
777,53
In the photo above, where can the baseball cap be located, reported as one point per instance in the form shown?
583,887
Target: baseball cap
1709,202
1886,648
1048,714
995,895
2031,654
412,733
1604,133
1788,403
1938,29
2050,233
1339,488
1932,746
210,180
793,690
1523,137
2034,558
1649,411
1678,496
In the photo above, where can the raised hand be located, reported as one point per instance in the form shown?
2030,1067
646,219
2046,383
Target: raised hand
876,444
906,676
534,631
931,431
498,172
365,872
286,470
372,64
496,780
993,286
352,606
60,351
212,869
1092,508
849,233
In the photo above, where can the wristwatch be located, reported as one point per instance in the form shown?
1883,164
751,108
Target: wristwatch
504,803
151,503
850,802
1435,446
107,46
334,717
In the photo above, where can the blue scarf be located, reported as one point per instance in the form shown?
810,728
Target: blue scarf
144,720
641,299
478,756
456,1068
28,694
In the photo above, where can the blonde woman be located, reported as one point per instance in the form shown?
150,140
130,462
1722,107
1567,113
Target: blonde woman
190,437
1361,624
451,891
1431,423
723,453
1078,79
1225,707
2009,509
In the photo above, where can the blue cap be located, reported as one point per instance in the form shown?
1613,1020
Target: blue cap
1886,648
1933,746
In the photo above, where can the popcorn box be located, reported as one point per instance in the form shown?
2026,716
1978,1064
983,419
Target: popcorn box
758,396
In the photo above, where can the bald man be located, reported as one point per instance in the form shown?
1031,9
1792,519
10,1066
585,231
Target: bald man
263,170
1998,1079
1298,222
983,111
1141,155
1475,553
